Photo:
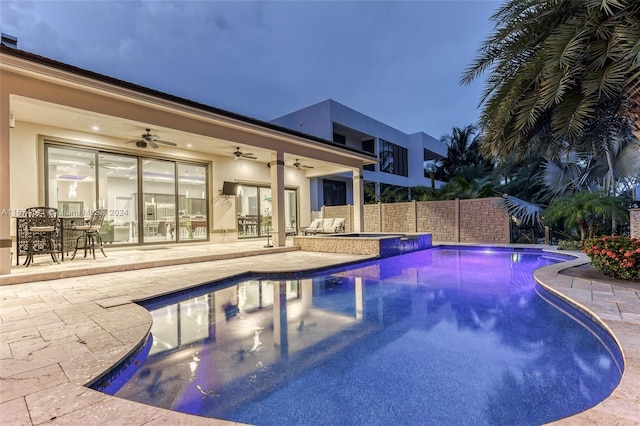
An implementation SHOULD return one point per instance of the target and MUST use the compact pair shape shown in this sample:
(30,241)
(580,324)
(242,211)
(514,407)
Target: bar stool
(90,234)
(42,225)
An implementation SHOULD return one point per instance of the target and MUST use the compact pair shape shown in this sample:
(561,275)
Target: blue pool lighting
(445,336)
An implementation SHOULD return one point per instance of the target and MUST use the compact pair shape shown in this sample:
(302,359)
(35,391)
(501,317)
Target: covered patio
(81,141)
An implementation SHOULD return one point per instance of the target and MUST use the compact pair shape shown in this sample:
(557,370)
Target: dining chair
(90,234)
(42,226)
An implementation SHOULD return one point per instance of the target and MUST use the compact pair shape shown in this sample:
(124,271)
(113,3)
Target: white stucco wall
(318,120)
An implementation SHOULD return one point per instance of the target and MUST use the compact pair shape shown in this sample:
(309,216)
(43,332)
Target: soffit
(60,116)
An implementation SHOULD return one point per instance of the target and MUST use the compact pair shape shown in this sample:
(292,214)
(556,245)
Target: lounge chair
(325,226)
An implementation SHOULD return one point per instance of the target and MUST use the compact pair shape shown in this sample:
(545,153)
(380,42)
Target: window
(334,192)
(338,138)
(393,159)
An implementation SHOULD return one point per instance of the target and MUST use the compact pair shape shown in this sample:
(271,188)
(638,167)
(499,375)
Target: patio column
(358,200)
(277,199)
(5,193)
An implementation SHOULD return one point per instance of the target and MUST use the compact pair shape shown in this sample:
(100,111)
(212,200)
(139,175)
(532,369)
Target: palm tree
(556,67)
(615,170)
(463,156)
(459,187)
(583,210)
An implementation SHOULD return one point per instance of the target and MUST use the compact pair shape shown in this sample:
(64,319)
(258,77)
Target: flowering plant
(618,257)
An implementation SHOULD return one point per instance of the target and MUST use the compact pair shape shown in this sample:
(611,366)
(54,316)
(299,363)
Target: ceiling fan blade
(298,165)
(152,143)
(135,141)
(250,156)
(165,142)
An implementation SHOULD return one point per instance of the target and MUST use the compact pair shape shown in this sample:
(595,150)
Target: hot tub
(375,244)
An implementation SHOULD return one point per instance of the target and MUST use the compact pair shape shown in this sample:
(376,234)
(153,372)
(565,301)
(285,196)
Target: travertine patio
(69,326)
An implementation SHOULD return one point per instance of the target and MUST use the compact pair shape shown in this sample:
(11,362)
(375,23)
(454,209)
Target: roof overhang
(50,93)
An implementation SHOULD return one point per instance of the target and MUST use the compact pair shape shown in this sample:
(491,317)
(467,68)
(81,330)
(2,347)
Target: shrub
(570,245)
(618,257)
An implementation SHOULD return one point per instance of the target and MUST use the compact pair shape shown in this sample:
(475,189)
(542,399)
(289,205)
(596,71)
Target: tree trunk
(612,187)
(583,230)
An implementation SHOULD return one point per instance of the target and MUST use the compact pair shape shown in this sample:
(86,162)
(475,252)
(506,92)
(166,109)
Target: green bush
(618,257)
(570,245)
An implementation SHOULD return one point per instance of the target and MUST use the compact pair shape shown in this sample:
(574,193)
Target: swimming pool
(440,336)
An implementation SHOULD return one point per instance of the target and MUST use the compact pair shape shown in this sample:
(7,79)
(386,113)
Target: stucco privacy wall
(481,220)
(634,215)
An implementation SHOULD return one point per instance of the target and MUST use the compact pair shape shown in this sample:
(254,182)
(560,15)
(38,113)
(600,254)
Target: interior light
(95,128)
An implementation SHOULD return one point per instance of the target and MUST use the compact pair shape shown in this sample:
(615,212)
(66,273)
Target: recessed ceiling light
(95,128)
(189,145)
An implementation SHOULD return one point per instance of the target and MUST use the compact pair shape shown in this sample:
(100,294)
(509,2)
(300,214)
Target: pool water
(440,336)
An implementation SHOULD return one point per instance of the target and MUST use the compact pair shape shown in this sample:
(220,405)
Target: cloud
(398,62)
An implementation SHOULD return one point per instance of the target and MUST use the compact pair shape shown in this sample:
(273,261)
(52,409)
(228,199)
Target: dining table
(65,236)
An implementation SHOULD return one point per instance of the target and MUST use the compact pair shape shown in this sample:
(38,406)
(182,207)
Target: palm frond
(524,211)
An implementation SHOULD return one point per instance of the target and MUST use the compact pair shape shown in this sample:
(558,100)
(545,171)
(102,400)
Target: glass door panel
(159,201)
(71,186)
(255,210)
(247,210)
(118,189)
(266,210)
(193,222)
(291,210)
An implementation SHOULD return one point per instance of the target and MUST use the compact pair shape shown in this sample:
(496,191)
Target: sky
(397,62)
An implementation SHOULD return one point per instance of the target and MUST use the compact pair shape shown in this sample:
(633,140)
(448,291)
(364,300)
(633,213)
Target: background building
(402,157)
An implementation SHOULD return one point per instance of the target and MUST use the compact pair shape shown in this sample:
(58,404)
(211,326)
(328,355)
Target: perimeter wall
(481,220)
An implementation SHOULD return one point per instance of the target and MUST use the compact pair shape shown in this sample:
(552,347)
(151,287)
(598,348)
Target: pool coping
(37,390)
(612,306)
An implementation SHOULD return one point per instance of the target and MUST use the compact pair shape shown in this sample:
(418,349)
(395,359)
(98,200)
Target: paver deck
(63,325)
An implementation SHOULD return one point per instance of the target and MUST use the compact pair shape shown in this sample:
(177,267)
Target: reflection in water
(432,337)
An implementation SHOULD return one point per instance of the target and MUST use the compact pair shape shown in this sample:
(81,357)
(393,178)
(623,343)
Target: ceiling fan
(239,154)
(298,165)
(102,164)
(148,138)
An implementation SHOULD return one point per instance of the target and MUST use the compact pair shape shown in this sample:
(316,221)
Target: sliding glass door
(254,210)
(147,200)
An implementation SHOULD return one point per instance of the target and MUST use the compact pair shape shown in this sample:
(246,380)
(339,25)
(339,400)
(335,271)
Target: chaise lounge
(325,226)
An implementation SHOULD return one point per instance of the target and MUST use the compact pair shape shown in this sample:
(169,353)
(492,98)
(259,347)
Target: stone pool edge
(597,299)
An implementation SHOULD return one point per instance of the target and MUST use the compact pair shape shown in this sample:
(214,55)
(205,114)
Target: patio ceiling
(112,131)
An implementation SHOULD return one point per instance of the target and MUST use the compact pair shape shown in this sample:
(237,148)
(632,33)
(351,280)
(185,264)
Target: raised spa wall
(382,245)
